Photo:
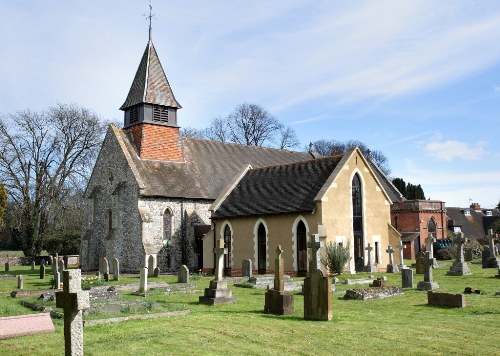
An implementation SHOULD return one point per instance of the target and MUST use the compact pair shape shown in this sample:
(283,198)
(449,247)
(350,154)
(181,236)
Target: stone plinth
(277,302)
(426,285)
(317,297)
(446,299)
(217,293)
(459,269)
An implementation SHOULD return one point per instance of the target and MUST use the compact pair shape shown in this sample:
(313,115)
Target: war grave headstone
(407,278)
(51,260)
(401,248)
(277,301)
(247,268)
(116,269)
(370,266)
(183,275)
(429,246)
(391,267)
(103,266)
(420,263)
(42,271)
(61,266)
(73,300)
(55,272)
(459,267)
(317,287)
(492,261)
(218,293)
(428,282)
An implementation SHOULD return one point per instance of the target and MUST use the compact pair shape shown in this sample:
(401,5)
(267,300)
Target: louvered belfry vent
(160,114)
(134,115)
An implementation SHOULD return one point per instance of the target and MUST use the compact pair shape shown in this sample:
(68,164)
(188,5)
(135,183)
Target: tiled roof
(471,226)
(278,189)
(150,83)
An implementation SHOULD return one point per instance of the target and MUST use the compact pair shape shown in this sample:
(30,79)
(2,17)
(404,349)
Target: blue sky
(418,80)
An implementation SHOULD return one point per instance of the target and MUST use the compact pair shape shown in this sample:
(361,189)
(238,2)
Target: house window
(377,257)
(160,113)
(489,213)
(467,212)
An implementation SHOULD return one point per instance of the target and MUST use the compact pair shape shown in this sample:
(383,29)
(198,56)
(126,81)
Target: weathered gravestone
(420,269)
(143,282)
(42,271)
(33,264)
(468,255)
(116,269)
(407,278)
(57,280)
(20,282)
(391,267)
(7,266)
(51,260)
(485,255)
(55,272)
(61,266)
(459,267)
(218,293)
(428,282)
(151,265)
(446,299)
(183,276)
(277,301)
(65,260)
(156,272)
(370,266)
(317,287)
(103,266)
(73,300)
(492,261)
(400,248)
(247,268)
(429,246)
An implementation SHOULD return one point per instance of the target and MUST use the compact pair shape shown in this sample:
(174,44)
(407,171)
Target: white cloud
(452,149)
(496,89)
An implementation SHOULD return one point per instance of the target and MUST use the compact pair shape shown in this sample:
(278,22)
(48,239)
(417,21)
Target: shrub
(475,246)
(63,242)
(444,254)
(336,257)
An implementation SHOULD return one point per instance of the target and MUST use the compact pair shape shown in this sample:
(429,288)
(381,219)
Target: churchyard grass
(398,325)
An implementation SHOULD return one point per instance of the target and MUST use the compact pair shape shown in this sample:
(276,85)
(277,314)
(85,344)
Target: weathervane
(150,16)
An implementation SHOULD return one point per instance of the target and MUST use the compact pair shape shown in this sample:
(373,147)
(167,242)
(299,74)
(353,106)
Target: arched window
(357,222)
(301,249)
(227,244)
(110,220)
(431,226)
(167,227)
(261,249)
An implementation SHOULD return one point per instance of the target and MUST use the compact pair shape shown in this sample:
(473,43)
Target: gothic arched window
(167,227)
(357,222)
(227,244)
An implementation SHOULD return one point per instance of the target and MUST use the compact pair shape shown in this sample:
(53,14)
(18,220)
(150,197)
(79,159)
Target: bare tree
(191,132)
(286,138)
(218,130)
(42,157)
(3,203)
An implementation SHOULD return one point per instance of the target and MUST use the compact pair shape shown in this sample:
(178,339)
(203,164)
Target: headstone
(370,266)
(493,261)
(143,282)
(183,276)
(218,293)
(468,255)
(277,301)
(42,272)
(73,300)
(156,272)
(116,269)
(428,282)
(317,287)
(65,260)
(429,246)
(106,277)
(446,299)
(7,266)
(485,255)
(407,278)
(247,268)
(51,260)
(20,282)
(378,283)
(400,248)
(391,267)
(420,263)
(459,267)
(61,266)
(57,280)
(103,266)
(33,265)
(151,265)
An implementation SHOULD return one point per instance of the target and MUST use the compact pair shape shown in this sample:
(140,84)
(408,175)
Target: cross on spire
(150,16)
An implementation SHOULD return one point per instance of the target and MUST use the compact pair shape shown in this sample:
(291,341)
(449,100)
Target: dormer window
(466,212)
(160,113)
(489,213)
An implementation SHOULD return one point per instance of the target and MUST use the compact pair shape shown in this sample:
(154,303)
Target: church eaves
(150,85)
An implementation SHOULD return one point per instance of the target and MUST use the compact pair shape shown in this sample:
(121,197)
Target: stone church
(149,197)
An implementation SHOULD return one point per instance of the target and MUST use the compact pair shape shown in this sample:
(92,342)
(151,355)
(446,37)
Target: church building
(149,197)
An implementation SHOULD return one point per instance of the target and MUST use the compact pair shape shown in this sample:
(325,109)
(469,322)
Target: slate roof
(278,189)
(150,84)
(471,226)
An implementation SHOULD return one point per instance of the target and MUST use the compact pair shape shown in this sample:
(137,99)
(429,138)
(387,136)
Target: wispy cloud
(448,150)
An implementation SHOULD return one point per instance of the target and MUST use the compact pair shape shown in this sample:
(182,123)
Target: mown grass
(398,325)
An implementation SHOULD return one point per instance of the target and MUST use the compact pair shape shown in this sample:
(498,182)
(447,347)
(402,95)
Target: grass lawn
(399,325)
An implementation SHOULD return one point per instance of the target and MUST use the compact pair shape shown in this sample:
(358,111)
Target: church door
(357,223)
(301,249)
(227,256)
(199,232)
(261,249)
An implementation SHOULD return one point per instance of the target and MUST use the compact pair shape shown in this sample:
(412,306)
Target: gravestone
(468,255)
(65,260)
(103,266)
(73,300)
(106,277)
(391,267)
(33,264)
(485,255)
(218,293)
(7,266)
(317,287)
(400,248)
(20,325)
(428,282)
(429,246)
(446,299)
(492,261)
(156,272)
(407,278)
(143,282)
(116,269)
(42,271)
(20,282)
(151,266)
(183,276)
(51,260)
(61,266)
(459,267)
(420,269)
(370,266)
(57,280)
(277,301)
(247,268)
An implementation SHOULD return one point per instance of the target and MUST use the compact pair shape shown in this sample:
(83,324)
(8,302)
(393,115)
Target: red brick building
(415,219)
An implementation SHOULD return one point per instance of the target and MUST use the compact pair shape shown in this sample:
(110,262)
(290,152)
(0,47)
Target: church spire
(151,15)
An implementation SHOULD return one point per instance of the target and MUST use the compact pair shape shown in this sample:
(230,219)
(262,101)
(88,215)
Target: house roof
(278,189)
(471,226)
(150,84)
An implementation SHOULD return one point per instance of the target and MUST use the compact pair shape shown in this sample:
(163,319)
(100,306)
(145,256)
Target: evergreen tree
(408,190)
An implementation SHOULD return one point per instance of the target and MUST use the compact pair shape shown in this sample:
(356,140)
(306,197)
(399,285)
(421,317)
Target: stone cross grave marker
(279,271)
(428,282)
(116,269)
(277,301)
(143,282)
(400,248)
(219,251)
(459,267)
(370,267)
(42,271)
(391,267)
(429,244)
(492,261)
(247,268)
(73,300)
(314,244)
